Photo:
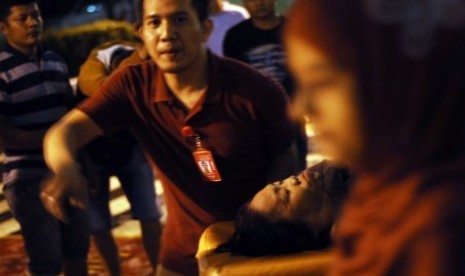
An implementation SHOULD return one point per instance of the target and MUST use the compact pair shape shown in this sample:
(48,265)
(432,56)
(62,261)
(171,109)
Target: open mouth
(170,53)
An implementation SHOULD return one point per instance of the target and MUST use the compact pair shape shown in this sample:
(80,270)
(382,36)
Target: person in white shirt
(224,16)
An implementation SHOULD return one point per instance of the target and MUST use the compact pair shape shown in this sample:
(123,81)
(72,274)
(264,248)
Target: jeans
(137,181)
(47,241)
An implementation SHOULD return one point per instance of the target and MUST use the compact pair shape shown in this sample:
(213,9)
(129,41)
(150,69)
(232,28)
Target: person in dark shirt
(184,106)
(34,93)
(257,42)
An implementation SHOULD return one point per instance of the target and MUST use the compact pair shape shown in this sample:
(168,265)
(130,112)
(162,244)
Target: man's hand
(58,189)
(61,145)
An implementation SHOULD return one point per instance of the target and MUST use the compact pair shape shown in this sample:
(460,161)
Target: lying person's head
(290,216)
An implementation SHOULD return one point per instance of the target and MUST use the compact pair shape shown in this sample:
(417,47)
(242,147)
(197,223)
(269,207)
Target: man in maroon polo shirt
(186,102)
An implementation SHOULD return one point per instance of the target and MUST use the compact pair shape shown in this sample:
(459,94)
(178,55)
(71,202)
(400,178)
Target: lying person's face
(326,96)
(294,199)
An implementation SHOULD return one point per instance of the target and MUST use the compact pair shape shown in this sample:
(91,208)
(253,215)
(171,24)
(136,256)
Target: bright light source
(94,8)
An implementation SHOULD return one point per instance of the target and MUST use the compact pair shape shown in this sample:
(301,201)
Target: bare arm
(61,145)
(284,165)
(17,139)
(65,138)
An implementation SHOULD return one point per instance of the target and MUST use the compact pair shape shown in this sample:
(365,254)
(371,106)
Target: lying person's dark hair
(256,235)
(290,216)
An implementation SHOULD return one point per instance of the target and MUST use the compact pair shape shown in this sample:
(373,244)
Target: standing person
(224,16)
(184,107)
(257,41)
(34,87)
(385,90)
(118,154)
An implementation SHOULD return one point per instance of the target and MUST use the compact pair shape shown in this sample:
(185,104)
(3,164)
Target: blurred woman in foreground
(384,84)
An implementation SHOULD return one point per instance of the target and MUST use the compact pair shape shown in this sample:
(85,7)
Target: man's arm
(17,139)
(61,145)
(284,165)
(92,75)
(96,70)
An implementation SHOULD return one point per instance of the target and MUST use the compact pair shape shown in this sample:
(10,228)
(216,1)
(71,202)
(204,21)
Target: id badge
(206,164)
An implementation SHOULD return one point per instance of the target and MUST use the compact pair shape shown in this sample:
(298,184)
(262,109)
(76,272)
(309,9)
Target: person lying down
(292,215)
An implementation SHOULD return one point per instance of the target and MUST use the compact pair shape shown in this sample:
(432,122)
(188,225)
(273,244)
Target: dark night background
(59,13)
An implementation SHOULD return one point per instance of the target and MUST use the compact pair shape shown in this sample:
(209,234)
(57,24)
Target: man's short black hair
(201,7)
(5,6)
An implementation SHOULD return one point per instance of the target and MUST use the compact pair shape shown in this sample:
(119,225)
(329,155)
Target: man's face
(260,9)
(23,27)
(173,34)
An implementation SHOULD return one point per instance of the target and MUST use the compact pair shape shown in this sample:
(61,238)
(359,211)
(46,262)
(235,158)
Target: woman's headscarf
(409,61)
(405,215)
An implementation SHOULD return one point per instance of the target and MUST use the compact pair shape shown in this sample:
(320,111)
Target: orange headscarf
(408,58)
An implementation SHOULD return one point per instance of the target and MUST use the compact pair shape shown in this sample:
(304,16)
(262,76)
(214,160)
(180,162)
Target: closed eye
(283,195)
(288,197)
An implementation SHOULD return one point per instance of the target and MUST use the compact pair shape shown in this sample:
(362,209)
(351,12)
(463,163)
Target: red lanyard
(202,157)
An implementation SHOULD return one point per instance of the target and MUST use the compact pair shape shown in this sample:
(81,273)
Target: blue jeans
(137,181)
(47,241)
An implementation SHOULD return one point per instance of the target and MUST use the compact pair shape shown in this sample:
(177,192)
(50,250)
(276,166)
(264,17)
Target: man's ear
(136,28)
(207,27)
(3,27)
